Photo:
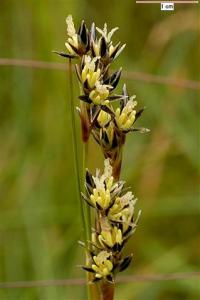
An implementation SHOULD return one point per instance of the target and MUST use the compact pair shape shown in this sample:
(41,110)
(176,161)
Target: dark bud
(89,179)
(125,263)
(139,113)
(83,34)
(96,279)
(74,48)
(108,110)
(85,98)
(103,47)
(105,137)
(98,206)
(63,54)
(110,278)
(115,141)
(88,269)
(86,85)
(115,51)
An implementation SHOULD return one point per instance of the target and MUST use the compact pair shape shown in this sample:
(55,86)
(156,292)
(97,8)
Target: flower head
(111,237)
(103,118)
(90,71)
(100,94)
(122,210)
(101,194)
(102,265)
(104,32)
(125,118)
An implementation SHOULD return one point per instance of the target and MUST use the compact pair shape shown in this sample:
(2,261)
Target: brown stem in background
(85,124)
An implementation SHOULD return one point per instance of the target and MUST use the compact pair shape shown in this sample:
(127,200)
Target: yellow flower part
(103,184)
(109,132)
(73,39)
(104,32)
(89,73)
(126,117)
(100,94)
(103,118)
(113,48)
(111,237)
(103,266)
(123,210)
(96,46)
(101,197)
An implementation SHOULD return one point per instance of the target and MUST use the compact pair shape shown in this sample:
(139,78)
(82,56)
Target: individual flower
(100,191)
(99,95)
(78,43)
(122,211)
(103,46)
(111,237)
(104,32)
(102,264)
(72,41)
(103,118)
(90,71)
(125,118)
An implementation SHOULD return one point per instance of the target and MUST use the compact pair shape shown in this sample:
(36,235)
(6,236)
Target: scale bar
(176,1)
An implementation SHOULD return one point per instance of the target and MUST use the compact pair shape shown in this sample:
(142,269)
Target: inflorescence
(114,222)
(113,204)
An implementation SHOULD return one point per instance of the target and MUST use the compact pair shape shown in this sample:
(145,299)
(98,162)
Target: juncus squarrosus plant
(103,194)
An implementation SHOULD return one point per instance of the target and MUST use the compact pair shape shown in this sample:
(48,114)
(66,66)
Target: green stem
(75,148)
(87,208)
(93,289)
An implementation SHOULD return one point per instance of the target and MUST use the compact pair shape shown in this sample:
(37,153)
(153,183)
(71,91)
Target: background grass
(39,213)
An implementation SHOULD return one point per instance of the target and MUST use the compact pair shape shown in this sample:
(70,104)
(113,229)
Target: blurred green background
(39,213)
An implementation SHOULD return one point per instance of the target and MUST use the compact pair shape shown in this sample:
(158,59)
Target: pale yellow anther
(126,117)
(111,237)
(103,118)
(103,266)
(99,95)
(122,118)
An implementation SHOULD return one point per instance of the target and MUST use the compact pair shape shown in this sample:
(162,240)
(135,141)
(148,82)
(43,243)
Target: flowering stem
(87,208)
(74,140)
(93,289)
(107,291)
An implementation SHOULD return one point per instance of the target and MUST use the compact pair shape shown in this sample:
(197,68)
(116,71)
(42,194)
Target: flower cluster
(114,208)
(107,116)
(95,51)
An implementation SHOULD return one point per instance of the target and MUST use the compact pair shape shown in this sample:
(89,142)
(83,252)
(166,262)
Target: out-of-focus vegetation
(39,213)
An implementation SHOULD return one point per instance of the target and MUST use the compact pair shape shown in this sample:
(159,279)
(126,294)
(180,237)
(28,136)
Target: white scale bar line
(154,2)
